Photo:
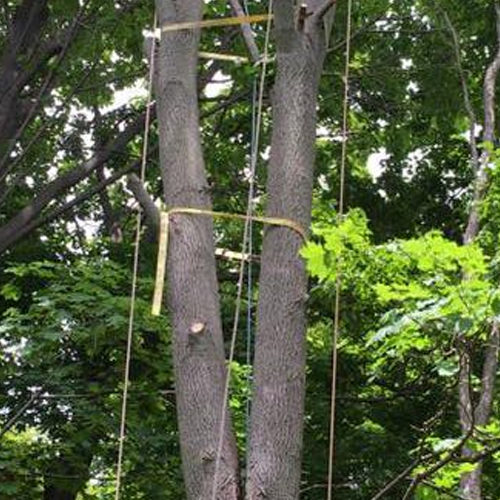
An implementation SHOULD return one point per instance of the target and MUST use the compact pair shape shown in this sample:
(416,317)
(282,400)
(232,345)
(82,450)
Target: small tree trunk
(193,300)
(279,377)
(471,482)
(67,476)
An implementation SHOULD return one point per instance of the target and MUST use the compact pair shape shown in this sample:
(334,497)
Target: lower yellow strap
(223,57)
(163,240)
(161,263)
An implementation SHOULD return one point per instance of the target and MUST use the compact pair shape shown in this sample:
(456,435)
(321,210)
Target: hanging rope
(249,330)
(135,272)
(246,234)
(338,281)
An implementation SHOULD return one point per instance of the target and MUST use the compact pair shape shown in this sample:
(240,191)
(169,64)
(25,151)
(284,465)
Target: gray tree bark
(279,367)
(193,300)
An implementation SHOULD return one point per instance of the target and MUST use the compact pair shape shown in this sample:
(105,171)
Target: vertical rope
(246,234)
(249,332)
(338,281)
(135,272)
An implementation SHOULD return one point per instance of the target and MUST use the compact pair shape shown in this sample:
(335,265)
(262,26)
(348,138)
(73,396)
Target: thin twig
(449,457)
(400,477)
(465,91)
(15,418)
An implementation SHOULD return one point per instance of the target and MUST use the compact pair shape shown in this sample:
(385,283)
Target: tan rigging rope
(135,272)
(338,281)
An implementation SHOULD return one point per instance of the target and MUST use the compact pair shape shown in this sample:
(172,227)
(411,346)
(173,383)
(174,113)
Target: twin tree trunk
(274,466)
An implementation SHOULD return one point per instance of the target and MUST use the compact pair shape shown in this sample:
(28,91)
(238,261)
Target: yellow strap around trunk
(163,240)
(215,23)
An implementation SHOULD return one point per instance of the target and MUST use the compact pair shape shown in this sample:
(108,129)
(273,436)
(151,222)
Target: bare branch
(464,397)
(483,409)
(18,415)
(323,9)
(444,491)
(78,200)
(246,31)
(146,202)
(452,454)
(11,231)
(400,477)
(465,91)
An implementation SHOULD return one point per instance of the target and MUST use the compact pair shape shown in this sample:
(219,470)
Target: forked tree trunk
(277,417)
(279,366)
(193,299)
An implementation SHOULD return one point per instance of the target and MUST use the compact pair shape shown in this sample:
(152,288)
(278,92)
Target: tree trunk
(471,482)
(479,415)
(279,366)
(67,476)
(193,299)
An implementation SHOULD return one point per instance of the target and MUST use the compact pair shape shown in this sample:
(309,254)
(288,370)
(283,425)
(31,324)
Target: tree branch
(4,167)
(482,411)
(444,491)
(18,415)
(14,229)
(246,31)
(323,9)
(400,477)
(464,397)
(450,456)
(146,202)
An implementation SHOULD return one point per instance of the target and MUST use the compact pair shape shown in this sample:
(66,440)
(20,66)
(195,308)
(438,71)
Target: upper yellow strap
(215,23)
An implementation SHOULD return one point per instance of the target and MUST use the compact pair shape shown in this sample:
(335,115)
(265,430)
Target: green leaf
(447,368)
(11,291)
